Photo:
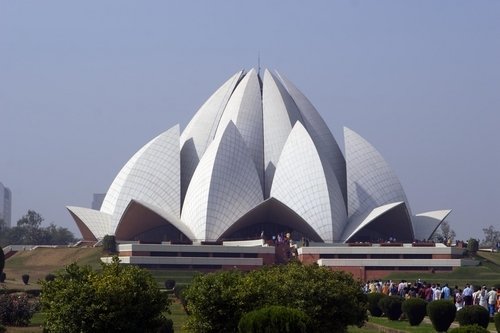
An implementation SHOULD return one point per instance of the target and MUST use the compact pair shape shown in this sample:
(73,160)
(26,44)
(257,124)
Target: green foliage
(179,294)
(169,284)
(474,314)
(497,321)
(16,309)
(472,245)
(373,299)
(29,231)
(491,237)
(117,298)
(25,278)
(442,314)
(212,302)
(50,277)
(109,244)
(415,310)
(333,300)
(276,319)
(469,329)
(2,329)
(445,235)
(391,306)
(167,326)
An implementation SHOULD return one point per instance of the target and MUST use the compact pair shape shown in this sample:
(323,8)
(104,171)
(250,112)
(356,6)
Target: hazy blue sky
(83,85)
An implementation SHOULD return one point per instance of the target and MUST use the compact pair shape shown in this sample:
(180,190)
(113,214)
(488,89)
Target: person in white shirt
(492,300)
(483,297)
(437,293)
(459,302)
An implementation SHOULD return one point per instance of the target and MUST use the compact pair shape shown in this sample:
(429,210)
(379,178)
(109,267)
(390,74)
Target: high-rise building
(97,200)
(5,204)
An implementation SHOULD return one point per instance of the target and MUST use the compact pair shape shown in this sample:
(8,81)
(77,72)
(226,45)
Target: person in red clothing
(428,293)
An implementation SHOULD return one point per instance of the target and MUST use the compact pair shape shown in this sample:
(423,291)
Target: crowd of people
(469,295)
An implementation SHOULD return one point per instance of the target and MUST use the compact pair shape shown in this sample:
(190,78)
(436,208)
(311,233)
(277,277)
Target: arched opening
(271,217)
(139,223)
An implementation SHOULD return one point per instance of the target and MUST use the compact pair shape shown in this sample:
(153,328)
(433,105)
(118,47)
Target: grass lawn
(487,273)
(42,261)
(178,316)
(402,325)
(494,257)
(181,277)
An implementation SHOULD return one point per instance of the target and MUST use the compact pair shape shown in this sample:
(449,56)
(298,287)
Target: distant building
(97,200)
(5,204)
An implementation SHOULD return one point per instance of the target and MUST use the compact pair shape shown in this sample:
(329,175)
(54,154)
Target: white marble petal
(224,187)
(98,223)
(201,130)
(370,181)
(425,224)
(244,109)
(327,147)
(303,184)
(279,115)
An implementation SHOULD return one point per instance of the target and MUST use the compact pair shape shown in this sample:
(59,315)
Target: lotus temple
(255,162)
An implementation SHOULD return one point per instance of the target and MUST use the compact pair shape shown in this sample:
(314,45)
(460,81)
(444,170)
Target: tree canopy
(445,234)
(491,237)
(333,300)
(118,298)
(29,231)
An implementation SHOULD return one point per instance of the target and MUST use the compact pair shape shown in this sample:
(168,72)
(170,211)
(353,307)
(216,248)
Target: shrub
(50,277)
(332,299)
(16,309)
(169,284)
(469,328)
(274,318)
(109,244)
(391,306)
(2,329)
(25,278)
(373,299)
(497,321)
(441,313)
(415,310)
(3,276)
(474,314)
(117,298)
(167,326)
(472,245)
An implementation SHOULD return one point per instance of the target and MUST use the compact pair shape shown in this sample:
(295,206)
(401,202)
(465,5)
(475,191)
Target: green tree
(118,298)
(29,231)
(333,300)
(30,224)
(445,234)
(491,237)
(109,244)
(59,235)
(472,245)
